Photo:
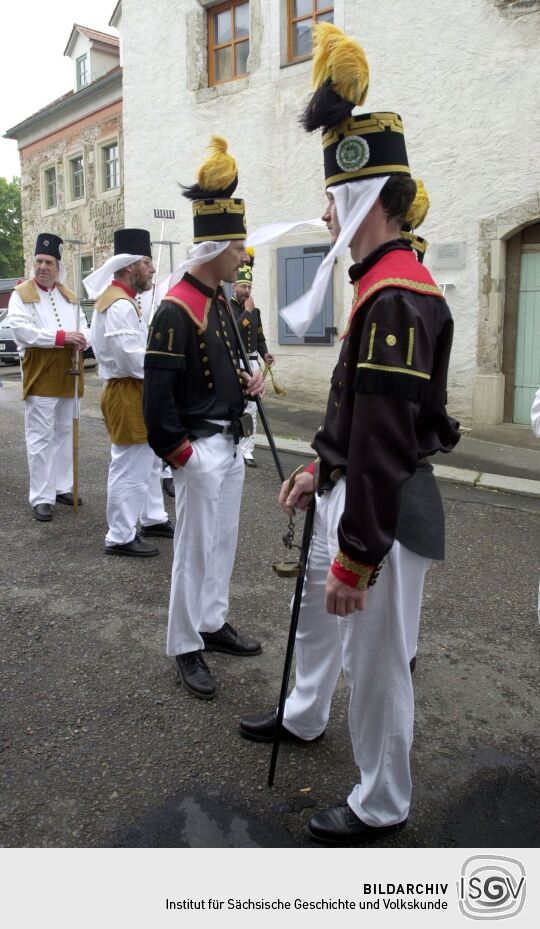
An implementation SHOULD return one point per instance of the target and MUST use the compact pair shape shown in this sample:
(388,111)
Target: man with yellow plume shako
(249,323)
(378,522)
(194,402)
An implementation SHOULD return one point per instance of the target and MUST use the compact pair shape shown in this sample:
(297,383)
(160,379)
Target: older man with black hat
(378,519)
(249,323)
(43,317)
(119,335)
(194,402)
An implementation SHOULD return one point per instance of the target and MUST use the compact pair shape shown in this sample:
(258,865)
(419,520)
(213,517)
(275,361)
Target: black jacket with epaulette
(191,368)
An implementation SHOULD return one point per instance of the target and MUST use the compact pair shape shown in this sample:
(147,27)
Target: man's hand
(249,305)
(76,339)
(342,600)
(254,383)
(269,358)
(299,495)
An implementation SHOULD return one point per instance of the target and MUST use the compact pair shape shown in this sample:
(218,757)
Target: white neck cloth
(199,254)
(353,202)
(96,282)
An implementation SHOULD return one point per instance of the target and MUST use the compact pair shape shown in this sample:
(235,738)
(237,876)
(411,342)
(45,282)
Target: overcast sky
(31,79)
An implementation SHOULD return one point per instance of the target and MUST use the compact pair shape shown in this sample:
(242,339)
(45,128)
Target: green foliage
(11,245)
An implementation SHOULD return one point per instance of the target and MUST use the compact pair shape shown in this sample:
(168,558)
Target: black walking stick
(306,538)
(258,401)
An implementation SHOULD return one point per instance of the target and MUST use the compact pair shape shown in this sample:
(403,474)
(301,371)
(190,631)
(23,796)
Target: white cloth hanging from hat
(198,255)
(96,282)
(353,202)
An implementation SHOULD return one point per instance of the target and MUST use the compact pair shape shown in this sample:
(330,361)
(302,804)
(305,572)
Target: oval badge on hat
(46,242)
(352,153)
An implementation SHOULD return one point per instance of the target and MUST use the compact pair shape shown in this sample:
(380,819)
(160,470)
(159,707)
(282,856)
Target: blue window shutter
(297,267)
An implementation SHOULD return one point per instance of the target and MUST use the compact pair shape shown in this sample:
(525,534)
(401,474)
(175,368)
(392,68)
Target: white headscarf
(96,282)
(353,202)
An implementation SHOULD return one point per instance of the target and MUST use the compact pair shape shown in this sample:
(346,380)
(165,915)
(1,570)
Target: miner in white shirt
(43,318)
(119,335)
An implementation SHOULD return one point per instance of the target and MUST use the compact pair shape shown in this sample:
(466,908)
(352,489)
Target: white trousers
(373,648)
(133,492)
(248,444)
(208,493)
(49,447)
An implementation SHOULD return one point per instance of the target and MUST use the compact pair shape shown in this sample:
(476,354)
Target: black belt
(252,357)
(204,430)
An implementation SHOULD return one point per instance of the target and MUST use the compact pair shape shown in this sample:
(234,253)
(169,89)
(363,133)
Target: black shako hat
(49,244)
(132,242)
(355,147)
(217,216)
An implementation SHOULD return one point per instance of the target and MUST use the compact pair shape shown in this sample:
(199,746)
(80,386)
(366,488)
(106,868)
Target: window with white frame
(76,177)
(110,166)
(50,192)
(82,71)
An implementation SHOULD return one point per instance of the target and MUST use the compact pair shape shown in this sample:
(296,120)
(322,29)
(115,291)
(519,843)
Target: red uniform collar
(47,290)
(398,268)
(131,293)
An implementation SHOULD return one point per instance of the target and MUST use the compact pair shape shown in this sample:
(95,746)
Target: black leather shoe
(250,463)
(168,486)
(340,826)
(195,675)
(43,512)
(262,728)
(134,549)
(158,531)
(229,641)
(412,663)
(67,499)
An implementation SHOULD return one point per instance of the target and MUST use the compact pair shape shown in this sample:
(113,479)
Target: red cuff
(179,456)
(353,573)
(60,338)
(311,467)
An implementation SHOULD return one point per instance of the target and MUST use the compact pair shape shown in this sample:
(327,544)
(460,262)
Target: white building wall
(464,78)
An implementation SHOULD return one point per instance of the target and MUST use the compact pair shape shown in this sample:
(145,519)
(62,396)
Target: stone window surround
(494,232)
(101,144)
(45,210)
(71,203)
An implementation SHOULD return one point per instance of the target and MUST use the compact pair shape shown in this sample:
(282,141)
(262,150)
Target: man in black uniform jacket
(194,401)
(249,323)
(378,521)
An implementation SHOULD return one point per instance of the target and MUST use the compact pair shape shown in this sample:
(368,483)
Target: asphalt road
(100,746)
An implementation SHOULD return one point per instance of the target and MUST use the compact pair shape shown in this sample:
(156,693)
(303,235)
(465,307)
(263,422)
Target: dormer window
(82,71)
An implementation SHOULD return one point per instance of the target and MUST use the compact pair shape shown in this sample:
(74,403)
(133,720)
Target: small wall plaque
(448,255)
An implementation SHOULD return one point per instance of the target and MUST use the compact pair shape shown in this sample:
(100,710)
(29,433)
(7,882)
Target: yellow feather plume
(219,169)
(340,59)
(418,209)
(251,251)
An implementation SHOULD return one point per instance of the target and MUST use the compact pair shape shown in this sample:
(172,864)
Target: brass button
(207,373)
(228,343)
(210,385)
(344,364)
(218,333)
(205,358)
(391,339)
(200,331)
(223,323)
(202,345)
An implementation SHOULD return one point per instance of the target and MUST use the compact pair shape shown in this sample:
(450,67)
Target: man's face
(46,270)
(230,260)
(330,217)
(242,292)
(142,273)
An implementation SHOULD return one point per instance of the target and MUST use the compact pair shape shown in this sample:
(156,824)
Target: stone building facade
(465,77)
(71,158)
